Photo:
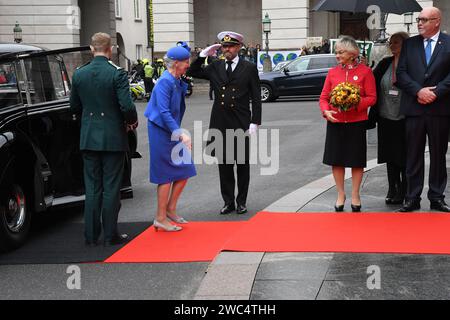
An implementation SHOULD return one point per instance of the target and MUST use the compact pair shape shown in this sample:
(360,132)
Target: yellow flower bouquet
(345,96)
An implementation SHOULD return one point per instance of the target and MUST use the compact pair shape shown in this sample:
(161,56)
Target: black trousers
(227,175)
(437,130)
(228,182)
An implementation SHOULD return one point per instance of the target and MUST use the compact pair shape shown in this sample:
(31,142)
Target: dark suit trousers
(227,175)
(417,129)
(103,173)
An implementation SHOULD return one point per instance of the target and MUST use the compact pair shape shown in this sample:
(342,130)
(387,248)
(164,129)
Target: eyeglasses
(425,20)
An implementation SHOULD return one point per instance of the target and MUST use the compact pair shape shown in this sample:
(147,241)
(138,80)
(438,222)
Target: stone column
(173,22)
(290,23)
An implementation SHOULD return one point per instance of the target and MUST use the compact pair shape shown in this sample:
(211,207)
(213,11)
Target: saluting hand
(329,115)
(210,51)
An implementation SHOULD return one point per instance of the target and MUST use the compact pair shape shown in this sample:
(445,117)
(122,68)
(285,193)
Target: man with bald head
(423,74)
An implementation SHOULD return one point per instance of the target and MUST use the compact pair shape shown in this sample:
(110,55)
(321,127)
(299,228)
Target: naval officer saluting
(235,82)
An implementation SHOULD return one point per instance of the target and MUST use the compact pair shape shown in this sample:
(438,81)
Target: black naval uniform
(101,93)
(231,110)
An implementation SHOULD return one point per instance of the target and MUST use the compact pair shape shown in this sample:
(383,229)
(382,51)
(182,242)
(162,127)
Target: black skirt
(346,145)
(392,142)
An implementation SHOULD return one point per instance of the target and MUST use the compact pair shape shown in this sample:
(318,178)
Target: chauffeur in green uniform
(235,82)
(100,92)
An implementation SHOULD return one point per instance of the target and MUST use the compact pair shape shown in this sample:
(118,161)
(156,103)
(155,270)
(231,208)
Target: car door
(293,82)
(317,73)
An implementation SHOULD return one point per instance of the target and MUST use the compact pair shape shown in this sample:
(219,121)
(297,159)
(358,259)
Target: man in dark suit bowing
(423,74)
(235,82)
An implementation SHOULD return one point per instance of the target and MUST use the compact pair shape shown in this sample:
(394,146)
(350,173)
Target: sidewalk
(293,276)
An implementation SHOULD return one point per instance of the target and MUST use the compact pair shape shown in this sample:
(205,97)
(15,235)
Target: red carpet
(427,233)
(346,232)
(198,241)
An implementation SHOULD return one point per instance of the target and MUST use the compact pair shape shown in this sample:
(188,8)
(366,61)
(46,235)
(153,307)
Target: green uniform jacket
(101,93)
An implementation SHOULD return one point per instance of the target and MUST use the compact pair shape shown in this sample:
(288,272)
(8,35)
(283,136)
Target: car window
(299,65)
(9,90)
(45,78)
(319,63)
(332,62)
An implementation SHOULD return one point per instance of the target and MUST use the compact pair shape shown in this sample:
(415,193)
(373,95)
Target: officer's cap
(230,38)
(178,53)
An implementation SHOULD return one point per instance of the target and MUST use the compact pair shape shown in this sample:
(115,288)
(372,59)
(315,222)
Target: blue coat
(165,112)
(166,107)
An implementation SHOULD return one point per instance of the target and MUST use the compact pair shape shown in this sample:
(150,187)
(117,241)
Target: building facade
(142,27)
(293,21)
(55,24)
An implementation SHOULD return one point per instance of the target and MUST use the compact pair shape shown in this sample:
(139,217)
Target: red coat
(360,75)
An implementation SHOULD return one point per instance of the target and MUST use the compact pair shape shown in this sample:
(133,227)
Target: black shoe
(241,209)
(118,239)
(91,244)
(340,208)
(228,208)
(439,205)
(356,208)
(390,195)
(409,206)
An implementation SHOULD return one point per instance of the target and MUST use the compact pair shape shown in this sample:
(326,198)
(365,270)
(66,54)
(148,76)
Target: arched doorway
(121,51)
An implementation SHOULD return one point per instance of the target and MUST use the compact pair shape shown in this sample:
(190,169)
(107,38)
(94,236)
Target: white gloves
(253,128)
(209,51)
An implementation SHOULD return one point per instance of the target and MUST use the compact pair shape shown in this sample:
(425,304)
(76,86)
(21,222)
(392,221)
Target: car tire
(266,93)
(15,219)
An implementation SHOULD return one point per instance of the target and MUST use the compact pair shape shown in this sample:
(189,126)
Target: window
(137,10)
(322,63)
(9,91)
(139,52)
(118,8)
(299,65)
(46,79)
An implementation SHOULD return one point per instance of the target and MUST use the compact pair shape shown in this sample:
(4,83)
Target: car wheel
(15,219)
(266,93)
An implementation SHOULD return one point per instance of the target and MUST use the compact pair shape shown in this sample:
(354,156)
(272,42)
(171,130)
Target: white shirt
(234,64)
(435,39)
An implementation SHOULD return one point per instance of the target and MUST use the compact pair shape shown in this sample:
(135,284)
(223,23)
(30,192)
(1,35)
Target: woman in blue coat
(171,163)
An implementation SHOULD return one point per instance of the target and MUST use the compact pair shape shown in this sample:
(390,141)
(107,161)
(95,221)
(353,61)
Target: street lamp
(267,64)
(408,20)
(17,33)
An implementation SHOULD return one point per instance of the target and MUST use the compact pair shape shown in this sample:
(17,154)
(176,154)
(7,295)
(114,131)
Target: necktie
(229,68)
(428,50)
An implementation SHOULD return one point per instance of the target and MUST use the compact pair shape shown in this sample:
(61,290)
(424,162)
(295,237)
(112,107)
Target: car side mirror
(286,71)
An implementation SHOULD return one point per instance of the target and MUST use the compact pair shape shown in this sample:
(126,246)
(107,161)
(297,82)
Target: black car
(303,77)
(40,161)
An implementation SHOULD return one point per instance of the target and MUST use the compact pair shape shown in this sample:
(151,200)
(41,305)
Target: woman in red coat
(346,145)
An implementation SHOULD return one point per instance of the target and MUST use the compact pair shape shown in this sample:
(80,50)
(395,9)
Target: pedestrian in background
(345,145)
(101,93)
(391,123)
(165,113)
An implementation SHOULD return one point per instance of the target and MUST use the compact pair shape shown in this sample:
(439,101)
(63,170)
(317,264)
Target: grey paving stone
(286,289)
(353,267)
(392,290)
(226,258)
(294,266)
(228,280)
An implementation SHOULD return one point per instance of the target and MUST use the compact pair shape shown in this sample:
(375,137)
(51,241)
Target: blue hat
(184,45)
(178,53)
